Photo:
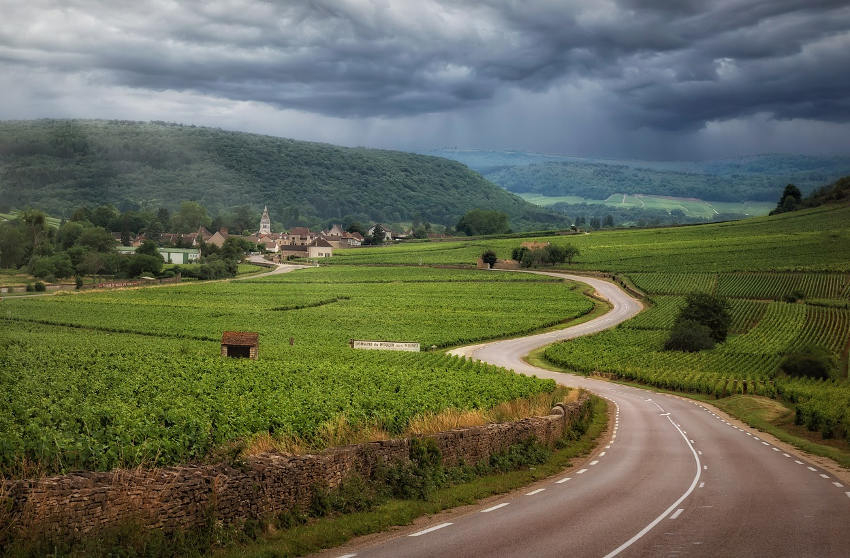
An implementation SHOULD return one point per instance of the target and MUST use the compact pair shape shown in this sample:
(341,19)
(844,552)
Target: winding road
(672,478)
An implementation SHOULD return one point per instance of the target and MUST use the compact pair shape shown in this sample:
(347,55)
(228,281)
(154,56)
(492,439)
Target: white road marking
(563,480)
(775,449)
(798,462)
(348,556)
(699,452)
(533,492)
(594,462)
(430,529)
(705,466)
(664,415)
(756,438)
(812,469)
(701,484)
(608,446)
(673,506)
(847,494)
(824,476)
(582,471)
(677,513)
(765,443)
(494,508)
(838,484)
(786,455)
(601,454)
(693,442)
(748,434)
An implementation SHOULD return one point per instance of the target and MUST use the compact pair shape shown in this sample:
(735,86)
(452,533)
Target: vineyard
(120,378)
(764,328)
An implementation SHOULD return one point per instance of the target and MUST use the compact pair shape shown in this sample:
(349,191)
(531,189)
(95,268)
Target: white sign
(384,345)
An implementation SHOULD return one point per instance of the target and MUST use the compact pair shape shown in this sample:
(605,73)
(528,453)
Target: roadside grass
(334,531)
(762,413)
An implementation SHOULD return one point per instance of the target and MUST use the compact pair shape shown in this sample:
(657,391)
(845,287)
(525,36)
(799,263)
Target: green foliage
(59,165)
(39,287)
(142,381)
(790,200)
(139,264)
(809,361)
(481,221)
(489,257)
(689,336)
(708,310)
(149,248)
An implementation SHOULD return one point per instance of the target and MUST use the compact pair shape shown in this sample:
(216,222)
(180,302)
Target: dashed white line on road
(765,443)
(581,471)
(705,466)
(701,484)
(563,480)
(608,446)
(699,452)
(824,476)
(496,507)
(798,462)
(348,556)
(677,513)
(775,449)
(786,455)
(847,494)
(594,462)
(601,454)
(838,484)
(812,469)
(430,529)
(756,438)
(533,492)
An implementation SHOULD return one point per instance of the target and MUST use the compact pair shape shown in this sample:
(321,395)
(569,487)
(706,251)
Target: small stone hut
(240,344)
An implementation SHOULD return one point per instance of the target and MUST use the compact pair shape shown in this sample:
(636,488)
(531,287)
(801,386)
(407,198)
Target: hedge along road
(673,478)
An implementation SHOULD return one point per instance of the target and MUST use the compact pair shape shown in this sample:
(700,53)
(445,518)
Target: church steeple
(265,222)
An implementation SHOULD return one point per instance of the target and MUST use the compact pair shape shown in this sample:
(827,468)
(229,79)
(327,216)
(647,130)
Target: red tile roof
(240,338)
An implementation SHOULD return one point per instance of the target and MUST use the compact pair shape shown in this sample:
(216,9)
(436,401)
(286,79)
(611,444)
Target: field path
(672,478)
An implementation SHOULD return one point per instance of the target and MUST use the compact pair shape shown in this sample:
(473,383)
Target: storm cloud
(605,75)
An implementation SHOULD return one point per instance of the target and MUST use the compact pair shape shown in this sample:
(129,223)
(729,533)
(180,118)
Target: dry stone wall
(189,496)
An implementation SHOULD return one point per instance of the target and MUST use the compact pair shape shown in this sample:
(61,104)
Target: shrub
(39,286)
(689,336)
(30,288)
(489,257)
(708,310)
(794,296)
(809,362)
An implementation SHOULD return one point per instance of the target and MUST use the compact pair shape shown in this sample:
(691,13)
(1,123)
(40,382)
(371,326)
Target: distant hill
(756,178)
(57,165)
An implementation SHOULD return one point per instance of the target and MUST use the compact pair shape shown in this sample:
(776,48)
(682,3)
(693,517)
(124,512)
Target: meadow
(98,380)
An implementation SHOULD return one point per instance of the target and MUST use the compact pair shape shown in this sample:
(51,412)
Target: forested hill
(57,165)
(754,178)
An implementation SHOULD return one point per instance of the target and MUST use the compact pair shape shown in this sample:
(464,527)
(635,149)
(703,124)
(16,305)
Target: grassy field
(689,206)
(815,239)
(120,378)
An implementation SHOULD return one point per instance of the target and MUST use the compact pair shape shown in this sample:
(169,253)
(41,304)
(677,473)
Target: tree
(708,310)
(489,257)
(483,221)
(12,245)
(138,264)
(96,238)
(149,248)
(689,336)
(809,362)
(609,221)
(570,253)
(379,235)
(790,200)
(190,217)
(594,223)
(356,227)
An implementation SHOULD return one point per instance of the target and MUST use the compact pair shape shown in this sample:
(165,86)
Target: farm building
(240,344)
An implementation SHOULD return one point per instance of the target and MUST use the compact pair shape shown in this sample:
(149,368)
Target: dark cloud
(665,65)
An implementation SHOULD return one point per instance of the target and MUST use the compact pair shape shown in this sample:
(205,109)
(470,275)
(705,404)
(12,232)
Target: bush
(708,310)
(809,362)
(794,296)
(689,336)
(30,288)
(39,286)
(489,257)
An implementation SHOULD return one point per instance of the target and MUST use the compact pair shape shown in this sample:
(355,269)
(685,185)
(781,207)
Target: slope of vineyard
(120,378)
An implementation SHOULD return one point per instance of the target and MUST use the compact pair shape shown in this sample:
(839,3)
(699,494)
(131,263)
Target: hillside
(756,178)
(57,165)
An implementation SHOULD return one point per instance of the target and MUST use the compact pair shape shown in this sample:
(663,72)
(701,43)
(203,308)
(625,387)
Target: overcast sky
(659,79)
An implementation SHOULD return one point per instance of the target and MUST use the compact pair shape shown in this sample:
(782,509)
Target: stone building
(240,344)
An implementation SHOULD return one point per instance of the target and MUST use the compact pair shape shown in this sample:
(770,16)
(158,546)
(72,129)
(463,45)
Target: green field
(104,379)
(815,239)
(689,206)
(756,263)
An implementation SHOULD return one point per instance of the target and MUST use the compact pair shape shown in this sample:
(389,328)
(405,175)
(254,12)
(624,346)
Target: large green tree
(483,221)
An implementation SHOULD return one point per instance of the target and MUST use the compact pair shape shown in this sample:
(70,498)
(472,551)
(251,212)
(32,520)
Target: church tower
(265,222)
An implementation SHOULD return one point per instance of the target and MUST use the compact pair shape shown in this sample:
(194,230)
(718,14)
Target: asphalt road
(673,478)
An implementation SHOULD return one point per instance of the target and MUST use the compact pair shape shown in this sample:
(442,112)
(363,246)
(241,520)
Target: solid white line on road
(601,454)
(430,529)
(677,513)
(838,484)
(673,506)
(533,492)
(582,471)
(812,469)
(563,480)
(494,508)
(824,476)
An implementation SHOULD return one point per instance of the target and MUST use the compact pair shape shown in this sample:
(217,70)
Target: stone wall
(188,496)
